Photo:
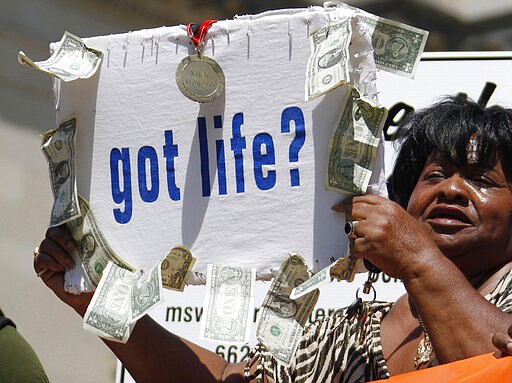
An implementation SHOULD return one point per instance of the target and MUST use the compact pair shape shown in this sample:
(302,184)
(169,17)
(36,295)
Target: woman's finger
(49,270)
(52,249)
(502,342)
(43,261)
(360,207)
(61,236)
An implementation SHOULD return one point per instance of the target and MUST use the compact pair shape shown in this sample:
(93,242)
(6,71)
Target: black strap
(4,321)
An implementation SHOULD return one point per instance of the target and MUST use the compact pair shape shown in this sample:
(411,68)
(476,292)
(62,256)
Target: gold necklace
(424,351)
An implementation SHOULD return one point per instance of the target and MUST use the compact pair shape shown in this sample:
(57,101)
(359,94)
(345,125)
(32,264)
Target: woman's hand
(387,235)
(51,259)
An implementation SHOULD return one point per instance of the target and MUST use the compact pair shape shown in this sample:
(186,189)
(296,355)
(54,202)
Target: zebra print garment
(331,350)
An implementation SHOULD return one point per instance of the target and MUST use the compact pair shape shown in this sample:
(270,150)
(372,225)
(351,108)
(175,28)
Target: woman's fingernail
(509,347)
(69,264)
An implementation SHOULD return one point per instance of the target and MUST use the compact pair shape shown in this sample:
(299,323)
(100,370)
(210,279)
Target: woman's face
(468,212)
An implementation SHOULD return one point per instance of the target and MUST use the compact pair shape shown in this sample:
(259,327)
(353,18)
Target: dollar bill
(327,66)
(176,266)
(282,319)
(71,61)
(320,278)
(353,144)
(92,247)
(146,292)
(344,268)
(120,299)
(397,47)
(228,304)
(58,146)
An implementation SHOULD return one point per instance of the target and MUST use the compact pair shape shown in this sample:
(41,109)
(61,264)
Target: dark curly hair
(446,128)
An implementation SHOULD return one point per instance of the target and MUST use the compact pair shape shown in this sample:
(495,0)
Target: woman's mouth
(448,218)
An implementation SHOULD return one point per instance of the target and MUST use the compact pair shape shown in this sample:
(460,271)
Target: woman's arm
(459,320)
(152,354)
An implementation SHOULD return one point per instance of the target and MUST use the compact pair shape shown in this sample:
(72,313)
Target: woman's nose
(453,189)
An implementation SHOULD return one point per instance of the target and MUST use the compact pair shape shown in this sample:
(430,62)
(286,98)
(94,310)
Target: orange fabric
(487,368)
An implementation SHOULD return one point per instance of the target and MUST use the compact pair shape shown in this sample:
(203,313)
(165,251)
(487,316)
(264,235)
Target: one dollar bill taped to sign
(239,177)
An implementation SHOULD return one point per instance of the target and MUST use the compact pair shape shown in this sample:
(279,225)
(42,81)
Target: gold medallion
(424,351)
(200,78)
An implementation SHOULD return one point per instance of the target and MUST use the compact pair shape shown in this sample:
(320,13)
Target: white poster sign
(237,180)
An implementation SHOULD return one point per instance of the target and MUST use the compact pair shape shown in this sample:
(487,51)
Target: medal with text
(200,78)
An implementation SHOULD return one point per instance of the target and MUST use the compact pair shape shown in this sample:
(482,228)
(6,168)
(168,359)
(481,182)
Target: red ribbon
(200,33)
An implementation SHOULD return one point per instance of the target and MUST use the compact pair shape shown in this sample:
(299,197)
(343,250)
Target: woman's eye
(483,181)
(434,175)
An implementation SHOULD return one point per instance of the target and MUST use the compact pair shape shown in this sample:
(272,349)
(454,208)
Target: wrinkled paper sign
(239,180)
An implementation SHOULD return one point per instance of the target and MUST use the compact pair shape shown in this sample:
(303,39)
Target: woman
(450,242)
